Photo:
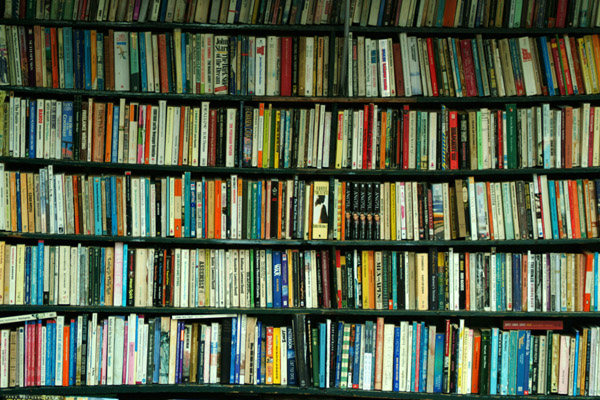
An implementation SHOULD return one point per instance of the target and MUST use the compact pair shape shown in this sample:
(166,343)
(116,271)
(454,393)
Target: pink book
(136,10)
(131,352)
(118,275)
(38,358)
(563,366)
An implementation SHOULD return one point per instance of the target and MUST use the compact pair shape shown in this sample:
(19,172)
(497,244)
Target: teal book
(511,135)
(439,363)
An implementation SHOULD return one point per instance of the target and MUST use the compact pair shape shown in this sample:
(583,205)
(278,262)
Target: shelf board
(190,388)
(328,172)
(445,31)
(188,97)
(292,311)
(186,27)
(420,244)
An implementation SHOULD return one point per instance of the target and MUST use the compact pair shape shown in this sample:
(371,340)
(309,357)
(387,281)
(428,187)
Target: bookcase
(269,198)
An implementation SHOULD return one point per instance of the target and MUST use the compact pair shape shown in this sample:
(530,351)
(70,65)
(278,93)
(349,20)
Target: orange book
(574,203)
(148,126)
(379,354)
(177,202)
(371,255)
(66,350)
(109,128)
(596,43)
(449,13)
(218,207)
(94,59)
(476,353)
(382,145)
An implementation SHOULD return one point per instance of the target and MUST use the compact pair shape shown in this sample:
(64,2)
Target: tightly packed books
(475,13)
(238,208)
(196,11)
(92,350)
(420,358)
(262,135)
(169,62)
(471,67)
(126,275)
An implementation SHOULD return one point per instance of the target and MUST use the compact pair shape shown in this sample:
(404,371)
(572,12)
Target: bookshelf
(568,254)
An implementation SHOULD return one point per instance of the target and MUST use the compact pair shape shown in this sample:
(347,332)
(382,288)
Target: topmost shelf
(298,29)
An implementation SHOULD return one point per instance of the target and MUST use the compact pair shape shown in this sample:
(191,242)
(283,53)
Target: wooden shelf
(426,175)
(478,245)
(344,312)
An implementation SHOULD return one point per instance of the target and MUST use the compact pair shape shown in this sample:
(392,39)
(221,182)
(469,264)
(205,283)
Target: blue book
(338,354)
(424,354)
(97,207)
(28,275)
(234,339)
(114,151)
(68,56)
(259,372)
(102,63)
(143,66)
(276,279)
(513,362)
(72,352)
(78,59)
(396,376)
(546,61)
(284,281)
(357,361)
(520,371)
(322,353)
(527,366)
(125,268)
(18,183)
(40,274)
(67,130)
(439,19)
(413,358)
(156,338)
(516,269)
(553,210)
(32,127)
(35,270)
(87,59)
(576,363)
(203,208)
(238,354)
(188,204)
(505,356)
(193,210)
(183,62)
(48,355)
(394,281)
(163,11)
(380,15)
(438,366)
(478,77)
(456,69)
(494,362)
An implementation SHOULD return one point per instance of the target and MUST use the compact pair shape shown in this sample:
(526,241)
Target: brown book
(460,209)
(398,72)
(194,353)
(37,39)
(98,130)
(109,61)
(12,368)
(302,66)
(379,354)
(567,161)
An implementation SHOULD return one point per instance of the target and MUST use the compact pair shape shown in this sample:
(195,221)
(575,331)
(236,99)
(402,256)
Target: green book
(315,356)
(511,135)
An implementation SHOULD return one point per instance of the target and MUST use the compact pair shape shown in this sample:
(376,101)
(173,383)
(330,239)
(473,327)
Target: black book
(349,211)
(257,277)
(221,136)
(528,211)
(344,282)
(157,207)
(159,278)
(84,337)
(301,281)
(128,201)
(295,234)
(295,259)
(401,281)
(462,293)
(226,332)
(349,288)
(363,211)
(332,353)
(463,159)
(151,349)
(484,364)
(420,204)
(226,211)
(167,277)
(156,281)
(200,362)
(319,279)
(370,226)
(359,287)
(376,211)
(535,357)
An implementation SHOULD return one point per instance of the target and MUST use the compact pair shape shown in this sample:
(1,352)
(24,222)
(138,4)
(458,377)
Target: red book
(434,83)
(66,352)
(338,267)
(286,66)
(557,69)
(398,73)
(561,14)
(162,63)
(565,64)
(574,199)
(212,138)
(54,52)
(468,67)
(365,136)
(532,325)
(109,129)
(476,356)
(588,280)
(370,137)
(405,137)
(148,133)
(449,13)
(177,194)
(453,125)
(218,208)
(578,78)
(325,278)
(500,135)
(418,359)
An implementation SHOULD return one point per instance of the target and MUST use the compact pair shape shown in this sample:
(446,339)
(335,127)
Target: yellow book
(589,52)
(24,214)
(587,80)
(178,65)
(365,279)
(277,138)
(371,286)
(276,356)
(269,357)
(422,282)
(393,218)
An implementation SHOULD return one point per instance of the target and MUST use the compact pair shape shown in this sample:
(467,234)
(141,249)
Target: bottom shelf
(190,389)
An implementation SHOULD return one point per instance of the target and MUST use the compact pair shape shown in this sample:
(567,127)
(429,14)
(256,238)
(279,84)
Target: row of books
(291,278)
(296,12)
(239,208)
(262,136)
(476,14)
(421,358)
(169,62)
(88,350)
(471,67)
